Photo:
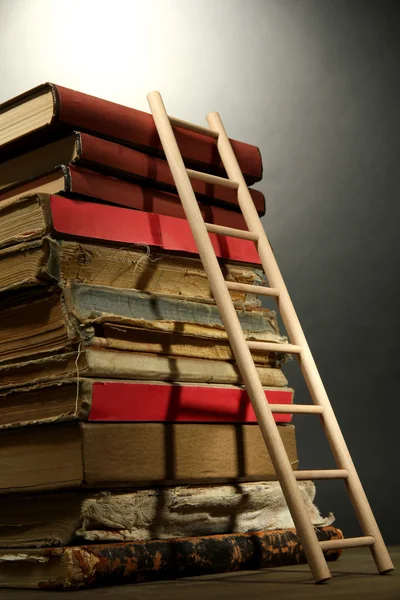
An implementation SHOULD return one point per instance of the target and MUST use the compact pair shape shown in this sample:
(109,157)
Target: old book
(200,343)
(89,152)
(55,321)
(32,217)
(54,519)
(101,455)
(154,560)
(83,183)
(116,364)
(102,400)
(50,111)
(46,262)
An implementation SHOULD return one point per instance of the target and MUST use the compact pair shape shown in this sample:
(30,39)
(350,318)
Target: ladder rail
(309,369)
(276,449)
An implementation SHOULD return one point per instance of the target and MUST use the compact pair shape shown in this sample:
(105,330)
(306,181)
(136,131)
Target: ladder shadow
(169,441)
(246,577)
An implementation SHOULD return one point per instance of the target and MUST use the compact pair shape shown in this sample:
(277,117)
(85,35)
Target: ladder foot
(325,580)
(386,571)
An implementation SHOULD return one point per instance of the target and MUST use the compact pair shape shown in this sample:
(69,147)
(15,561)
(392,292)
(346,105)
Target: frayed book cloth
(190,511)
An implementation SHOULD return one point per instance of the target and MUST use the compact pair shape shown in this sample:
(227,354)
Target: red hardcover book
(172,402)
(105,401)
(51,111)
(87,151)
(122,225)
(88,184)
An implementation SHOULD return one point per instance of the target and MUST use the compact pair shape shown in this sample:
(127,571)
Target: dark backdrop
(331,154)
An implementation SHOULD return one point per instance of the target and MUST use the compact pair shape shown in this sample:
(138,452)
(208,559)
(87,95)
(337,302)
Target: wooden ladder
(242,348)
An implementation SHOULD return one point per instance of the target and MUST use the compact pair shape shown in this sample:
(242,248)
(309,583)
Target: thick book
(50,111)
(46,262)
(78,182)
(101,455)
(95,154)
(114,364)
(66,517)
(195,343)
(52,321)
(97,565)
(32,217)
(107,401)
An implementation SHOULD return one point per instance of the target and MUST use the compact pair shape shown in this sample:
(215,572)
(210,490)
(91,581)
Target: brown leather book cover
(73,110)
(155,560)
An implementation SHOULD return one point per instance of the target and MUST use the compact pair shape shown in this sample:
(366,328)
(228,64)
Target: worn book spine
(177,453)
(59,519)
(47,261)
(63,320)
(156,560)
(95,303)
(124,365)
(77,111)
(126,455)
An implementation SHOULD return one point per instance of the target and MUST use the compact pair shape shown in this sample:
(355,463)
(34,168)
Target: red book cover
(88,184)
(84,182)
(122,401)
(96,153)
(73,110)
(122,225)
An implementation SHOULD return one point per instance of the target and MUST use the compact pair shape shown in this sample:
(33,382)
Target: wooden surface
(353,576)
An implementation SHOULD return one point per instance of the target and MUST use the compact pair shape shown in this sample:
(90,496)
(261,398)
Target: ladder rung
(229,231)
(272,347)
(193,127)
(356,542)
(322,474)
(312,547)
(252,289)
(212,179)
(292,409)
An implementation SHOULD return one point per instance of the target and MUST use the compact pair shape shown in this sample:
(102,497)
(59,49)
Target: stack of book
(125,431)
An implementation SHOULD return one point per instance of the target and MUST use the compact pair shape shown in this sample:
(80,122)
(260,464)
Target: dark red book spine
(125,226)
(136,128)
(96,153)
(84,182)
(174,403)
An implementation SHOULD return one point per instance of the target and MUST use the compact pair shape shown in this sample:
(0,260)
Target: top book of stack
(50,112)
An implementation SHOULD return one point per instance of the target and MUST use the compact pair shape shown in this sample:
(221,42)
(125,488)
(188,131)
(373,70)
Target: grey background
(331,146)
(314,83)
